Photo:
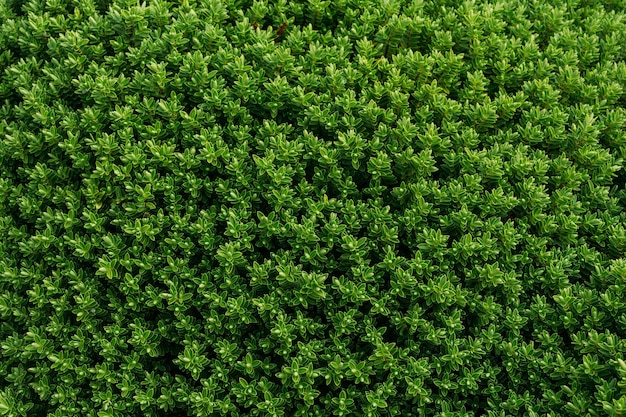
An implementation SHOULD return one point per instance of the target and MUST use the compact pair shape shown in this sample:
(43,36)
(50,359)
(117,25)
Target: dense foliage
(312,208)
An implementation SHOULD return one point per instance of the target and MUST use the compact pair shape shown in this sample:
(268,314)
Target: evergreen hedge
(312,208)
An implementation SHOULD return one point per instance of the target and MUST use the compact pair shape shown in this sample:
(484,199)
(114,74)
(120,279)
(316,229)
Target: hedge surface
(312,208)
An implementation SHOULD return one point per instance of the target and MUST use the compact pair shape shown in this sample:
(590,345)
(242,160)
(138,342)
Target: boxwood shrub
(312,208)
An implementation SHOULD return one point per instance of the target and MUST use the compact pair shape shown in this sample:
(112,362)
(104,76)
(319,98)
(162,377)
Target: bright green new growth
(312,208)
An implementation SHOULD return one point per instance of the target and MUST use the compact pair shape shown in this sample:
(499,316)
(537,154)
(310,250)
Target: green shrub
(312,208)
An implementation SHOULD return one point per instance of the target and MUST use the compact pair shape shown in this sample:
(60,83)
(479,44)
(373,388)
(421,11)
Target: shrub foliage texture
(312,208)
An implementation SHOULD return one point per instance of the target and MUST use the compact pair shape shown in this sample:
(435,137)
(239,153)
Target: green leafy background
(312,208)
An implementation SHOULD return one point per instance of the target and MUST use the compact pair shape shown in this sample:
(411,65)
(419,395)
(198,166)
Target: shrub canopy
(312,208)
